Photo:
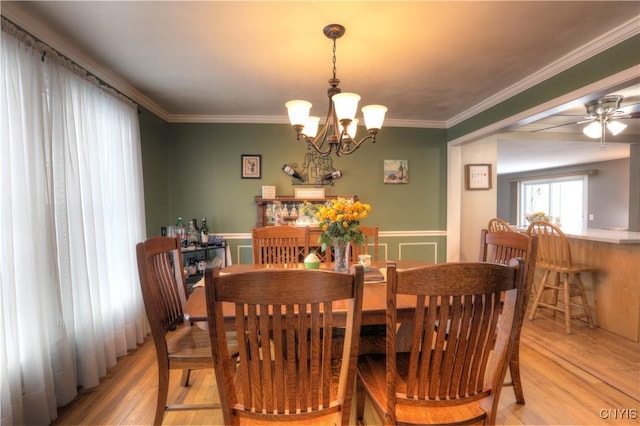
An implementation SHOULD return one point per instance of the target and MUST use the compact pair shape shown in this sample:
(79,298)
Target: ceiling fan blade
(629,111)
(563,124)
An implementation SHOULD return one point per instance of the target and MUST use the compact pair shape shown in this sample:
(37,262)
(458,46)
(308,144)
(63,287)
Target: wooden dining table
(374,304)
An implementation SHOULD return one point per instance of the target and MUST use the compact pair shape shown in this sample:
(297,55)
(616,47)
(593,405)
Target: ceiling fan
(604,114)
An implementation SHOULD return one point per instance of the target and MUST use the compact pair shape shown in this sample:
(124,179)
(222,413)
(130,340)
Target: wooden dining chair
(370,234)
(465,321)
(279,244)
(500,247)
(496,225)
(178,344)
(297,360)
(554,257)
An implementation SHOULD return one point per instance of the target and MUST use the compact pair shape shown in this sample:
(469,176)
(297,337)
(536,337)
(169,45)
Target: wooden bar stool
(554,257)
(496,225)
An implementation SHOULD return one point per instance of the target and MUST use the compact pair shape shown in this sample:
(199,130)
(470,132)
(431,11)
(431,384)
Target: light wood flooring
(590,377)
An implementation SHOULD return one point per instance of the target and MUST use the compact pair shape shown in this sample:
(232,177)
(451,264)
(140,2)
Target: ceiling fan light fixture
(339,130)
(593,130)
(616,127)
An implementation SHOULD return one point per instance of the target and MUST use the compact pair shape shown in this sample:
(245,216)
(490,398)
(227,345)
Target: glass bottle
(334,175)
(180,230)
(204,232)
(193,234)
(291,172)
(277,214)
(269,219)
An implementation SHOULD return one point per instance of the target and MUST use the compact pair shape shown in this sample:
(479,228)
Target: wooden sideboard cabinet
(266,209)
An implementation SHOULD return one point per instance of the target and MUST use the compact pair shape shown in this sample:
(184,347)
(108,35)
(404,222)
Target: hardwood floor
(587,378)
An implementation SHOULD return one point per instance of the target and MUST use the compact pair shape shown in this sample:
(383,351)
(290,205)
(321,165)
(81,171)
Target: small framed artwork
(477,176)
(251,166)
(396,171)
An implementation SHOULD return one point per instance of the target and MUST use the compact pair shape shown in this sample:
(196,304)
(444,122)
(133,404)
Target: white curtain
(72,210)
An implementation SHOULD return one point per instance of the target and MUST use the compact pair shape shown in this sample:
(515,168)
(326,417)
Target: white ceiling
(433,64)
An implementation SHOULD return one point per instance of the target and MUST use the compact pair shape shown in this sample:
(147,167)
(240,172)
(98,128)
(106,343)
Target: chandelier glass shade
(338,133)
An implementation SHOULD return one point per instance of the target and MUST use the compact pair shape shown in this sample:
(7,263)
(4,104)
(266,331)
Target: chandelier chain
(334,58)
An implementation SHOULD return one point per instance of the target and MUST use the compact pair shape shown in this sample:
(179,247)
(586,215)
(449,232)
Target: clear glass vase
(341,255)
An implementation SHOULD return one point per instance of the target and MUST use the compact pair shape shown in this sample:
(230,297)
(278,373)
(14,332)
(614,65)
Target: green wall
(193,170)
(156,160)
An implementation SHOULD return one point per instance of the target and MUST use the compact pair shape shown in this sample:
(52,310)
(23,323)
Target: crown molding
(13,12)
(44,34)
(593,47)
(270,119)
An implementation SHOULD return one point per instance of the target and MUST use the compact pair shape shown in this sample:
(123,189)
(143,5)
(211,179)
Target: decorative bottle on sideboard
(204,232)
(180,230)
(193,234)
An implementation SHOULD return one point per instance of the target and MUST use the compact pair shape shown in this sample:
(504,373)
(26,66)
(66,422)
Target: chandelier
(338,133)
(604,111)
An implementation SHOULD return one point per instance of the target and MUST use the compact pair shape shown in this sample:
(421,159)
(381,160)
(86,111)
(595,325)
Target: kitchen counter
(606,236)
(612,236)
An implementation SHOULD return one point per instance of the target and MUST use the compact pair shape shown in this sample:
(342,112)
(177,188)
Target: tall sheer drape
(72,210)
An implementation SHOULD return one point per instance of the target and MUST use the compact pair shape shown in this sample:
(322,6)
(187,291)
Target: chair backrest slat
(500,247)
(464,326)
(288,353)
(370,234)
(277,245)
(162,282)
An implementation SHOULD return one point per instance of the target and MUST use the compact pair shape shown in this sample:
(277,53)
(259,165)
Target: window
(565,199)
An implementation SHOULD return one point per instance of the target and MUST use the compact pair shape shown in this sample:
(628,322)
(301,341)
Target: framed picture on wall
(477,176)
(251,166)
(396,171)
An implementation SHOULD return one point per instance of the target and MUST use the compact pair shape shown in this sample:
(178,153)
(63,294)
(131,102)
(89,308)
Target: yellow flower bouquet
(339,220)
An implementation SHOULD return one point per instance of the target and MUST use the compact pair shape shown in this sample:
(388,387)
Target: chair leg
(536,301)
(585,302)
(567,302)
(163,392)
(360,400)
(554,292)
(514,371)
(186,374)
